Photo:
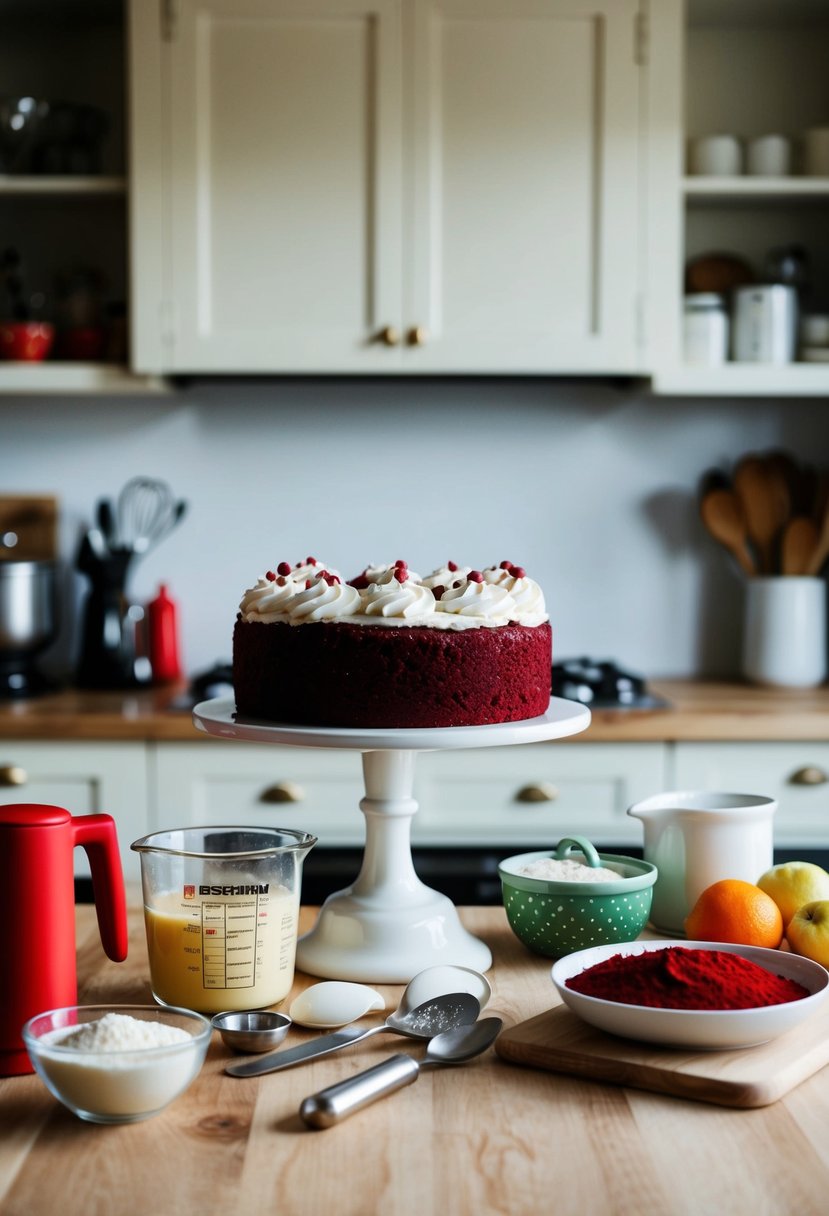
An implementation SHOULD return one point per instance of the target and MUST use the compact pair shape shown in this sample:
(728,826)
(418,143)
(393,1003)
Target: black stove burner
(602,685)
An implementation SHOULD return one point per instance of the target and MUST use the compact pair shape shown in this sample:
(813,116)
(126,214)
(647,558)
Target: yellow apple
(791,884)
(808,931)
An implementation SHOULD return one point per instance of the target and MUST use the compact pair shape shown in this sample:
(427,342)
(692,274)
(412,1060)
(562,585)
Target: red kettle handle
(96,834)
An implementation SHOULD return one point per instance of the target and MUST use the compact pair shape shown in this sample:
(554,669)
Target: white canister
(765,322)
(769,156)
(784,640)
(705,328)
(697,837)
(715,156)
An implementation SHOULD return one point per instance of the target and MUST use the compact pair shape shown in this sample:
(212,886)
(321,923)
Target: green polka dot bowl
(555,916)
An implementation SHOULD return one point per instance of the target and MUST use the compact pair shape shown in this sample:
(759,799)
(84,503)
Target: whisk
(145,513)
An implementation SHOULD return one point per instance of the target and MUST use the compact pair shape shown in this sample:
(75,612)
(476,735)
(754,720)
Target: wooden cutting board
(560,1041)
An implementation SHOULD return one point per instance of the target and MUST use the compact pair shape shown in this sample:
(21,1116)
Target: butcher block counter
(486,1137)
(696,710)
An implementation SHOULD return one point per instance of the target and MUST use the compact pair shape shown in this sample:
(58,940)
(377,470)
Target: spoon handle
(284,1058)
(337,1102)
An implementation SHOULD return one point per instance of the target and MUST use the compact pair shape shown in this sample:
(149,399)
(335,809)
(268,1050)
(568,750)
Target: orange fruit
(735,911)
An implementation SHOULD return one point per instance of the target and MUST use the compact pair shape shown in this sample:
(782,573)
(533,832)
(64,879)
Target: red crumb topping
(270,576)
(283,568)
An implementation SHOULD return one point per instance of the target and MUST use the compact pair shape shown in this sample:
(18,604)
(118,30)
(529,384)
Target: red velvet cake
(389,649)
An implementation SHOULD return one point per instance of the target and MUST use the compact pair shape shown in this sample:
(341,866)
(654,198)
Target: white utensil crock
(695,838)
(784,642)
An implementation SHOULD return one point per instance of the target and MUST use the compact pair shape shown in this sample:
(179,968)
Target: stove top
(601,684)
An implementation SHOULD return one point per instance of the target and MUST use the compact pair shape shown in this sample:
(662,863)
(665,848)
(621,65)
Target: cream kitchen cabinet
(513,796)
(796,774)
(86,779)
(386,186)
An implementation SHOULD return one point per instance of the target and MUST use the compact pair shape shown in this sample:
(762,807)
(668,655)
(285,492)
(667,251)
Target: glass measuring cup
(221,907)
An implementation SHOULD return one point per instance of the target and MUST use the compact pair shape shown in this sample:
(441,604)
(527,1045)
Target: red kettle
(37,912)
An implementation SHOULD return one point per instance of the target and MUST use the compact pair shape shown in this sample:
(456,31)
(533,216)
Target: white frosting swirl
(324,601)
(488,600)
(268,600)
(528,596)
(444,577)
(389,597)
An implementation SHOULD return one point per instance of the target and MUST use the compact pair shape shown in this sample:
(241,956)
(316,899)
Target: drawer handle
(541,791)
(13,774)
(282,791)
(389,336)
(810,774)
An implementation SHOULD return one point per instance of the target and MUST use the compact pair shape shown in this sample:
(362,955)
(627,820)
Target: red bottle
(162,624)
(37,912)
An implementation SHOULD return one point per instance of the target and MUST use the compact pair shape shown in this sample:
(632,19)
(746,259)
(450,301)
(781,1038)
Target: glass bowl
(703,1029)
(120,1085)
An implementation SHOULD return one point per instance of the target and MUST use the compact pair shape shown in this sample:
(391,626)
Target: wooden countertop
(481,1138)
(698,710)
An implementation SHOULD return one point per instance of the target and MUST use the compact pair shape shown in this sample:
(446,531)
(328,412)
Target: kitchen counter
(480,1138)
(698,710)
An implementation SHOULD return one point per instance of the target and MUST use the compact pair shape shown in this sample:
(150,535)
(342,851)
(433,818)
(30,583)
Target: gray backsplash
(591,487)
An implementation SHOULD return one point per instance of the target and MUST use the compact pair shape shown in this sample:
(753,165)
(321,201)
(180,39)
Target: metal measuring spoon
(424,1022)
(337,1102)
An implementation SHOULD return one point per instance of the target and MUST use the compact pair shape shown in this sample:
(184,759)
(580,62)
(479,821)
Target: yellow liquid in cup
(216,952)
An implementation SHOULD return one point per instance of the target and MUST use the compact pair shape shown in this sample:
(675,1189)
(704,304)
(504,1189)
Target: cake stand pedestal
(388,925)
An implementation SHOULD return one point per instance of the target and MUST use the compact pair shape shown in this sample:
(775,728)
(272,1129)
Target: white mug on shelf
(716,156)
(784,642)
(769,156)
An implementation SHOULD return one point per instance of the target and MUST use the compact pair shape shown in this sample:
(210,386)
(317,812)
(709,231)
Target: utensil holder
(784,640)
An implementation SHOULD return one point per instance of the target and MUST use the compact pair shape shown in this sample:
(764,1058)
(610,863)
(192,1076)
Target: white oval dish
(334,1003)
(706,1029)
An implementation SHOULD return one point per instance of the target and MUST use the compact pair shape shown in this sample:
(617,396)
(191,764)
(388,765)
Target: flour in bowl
(119,1032)
(567,870)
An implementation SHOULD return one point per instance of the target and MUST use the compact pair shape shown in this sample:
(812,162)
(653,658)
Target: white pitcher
(695,838)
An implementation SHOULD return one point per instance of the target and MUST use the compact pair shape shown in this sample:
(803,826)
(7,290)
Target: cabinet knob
(12,774)
(418,335)
(541,791)
(810,774)
(389,336)
(282,791)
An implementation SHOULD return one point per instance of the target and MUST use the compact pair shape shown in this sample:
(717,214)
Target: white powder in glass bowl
(567,870)
(118,1032)
(118,1068)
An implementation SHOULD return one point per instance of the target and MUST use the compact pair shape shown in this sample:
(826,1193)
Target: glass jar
(705,330)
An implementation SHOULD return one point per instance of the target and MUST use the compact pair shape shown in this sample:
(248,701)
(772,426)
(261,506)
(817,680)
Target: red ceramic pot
(28,341)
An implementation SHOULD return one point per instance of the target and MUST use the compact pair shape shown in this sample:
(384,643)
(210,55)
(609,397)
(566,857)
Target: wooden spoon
(820,553)
(755,491)
(799,543)
(723,516)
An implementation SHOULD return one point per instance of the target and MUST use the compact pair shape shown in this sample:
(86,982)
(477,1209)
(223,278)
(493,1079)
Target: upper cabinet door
(284,128)
(523,185)
(385,186)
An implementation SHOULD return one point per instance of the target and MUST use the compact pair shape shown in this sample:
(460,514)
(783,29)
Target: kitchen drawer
(534,794)
(86,779)
(796,774)
(310,789)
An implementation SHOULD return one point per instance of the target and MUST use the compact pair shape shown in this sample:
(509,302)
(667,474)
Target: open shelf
(26,186)
(92,378)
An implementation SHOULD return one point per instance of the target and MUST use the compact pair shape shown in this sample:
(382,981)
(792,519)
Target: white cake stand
(388,925)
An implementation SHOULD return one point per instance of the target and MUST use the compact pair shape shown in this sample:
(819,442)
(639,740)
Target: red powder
(681,978)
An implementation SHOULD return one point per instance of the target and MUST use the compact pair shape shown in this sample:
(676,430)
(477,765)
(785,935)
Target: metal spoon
(423,1022)
(329,1106)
